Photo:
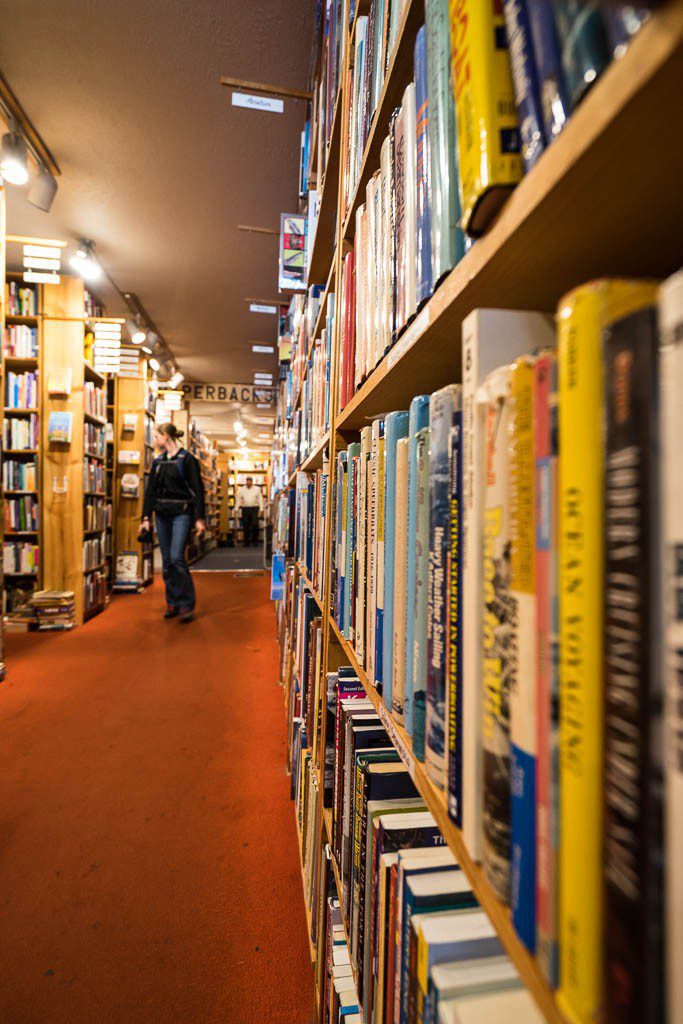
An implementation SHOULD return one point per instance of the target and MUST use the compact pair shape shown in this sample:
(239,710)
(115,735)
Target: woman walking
(175,495)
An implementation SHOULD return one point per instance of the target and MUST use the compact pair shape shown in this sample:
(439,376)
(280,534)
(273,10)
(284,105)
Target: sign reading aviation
(254,393)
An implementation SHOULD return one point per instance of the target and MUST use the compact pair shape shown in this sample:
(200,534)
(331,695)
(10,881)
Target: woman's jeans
(173,532)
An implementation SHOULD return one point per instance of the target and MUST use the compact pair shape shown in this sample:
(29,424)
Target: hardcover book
(418,418)
(395,427)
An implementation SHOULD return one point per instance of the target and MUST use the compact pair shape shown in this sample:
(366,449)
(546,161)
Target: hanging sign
(248,393)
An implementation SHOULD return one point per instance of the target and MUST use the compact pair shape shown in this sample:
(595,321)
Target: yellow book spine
(486,118)
(422,962)
(583,314)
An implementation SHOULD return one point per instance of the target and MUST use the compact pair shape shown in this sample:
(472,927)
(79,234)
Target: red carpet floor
(149,867)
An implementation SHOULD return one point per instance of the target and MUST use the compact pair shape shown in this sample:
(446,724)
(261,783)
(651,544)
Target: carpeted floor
(239,557)
(149,870)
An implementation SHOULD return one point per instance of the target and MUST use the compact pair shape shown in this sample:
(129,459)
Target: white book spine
(671,376)
(400,567)
(386,245)
(360,302)
(370,244)
(410,130)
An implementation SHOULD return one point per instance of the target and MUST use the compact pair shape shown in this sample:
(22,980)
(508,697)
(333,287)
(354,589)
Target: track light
(154,364)
(176,379)
(84,262)
(136,332)
(43,190)
(14,157)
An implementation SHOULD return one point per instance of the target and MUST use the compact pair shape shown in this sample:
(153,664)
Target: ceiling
(158,168)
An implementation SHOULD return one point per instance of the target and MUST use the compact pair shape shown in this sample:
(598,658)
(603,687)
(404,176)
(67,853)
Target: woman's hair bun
(170,430)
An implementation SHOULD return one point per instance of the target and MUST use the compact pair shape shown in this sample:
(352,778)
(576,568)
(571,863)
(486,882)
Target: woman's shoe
(171,613)
(187,615)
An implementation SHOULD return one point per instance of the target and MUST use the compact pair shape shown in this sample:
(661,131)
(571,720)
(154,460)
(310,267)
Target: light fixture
(14,156)
(176,379)
(265,349)
(238,425)
(146,349)
(43,189)
(263,405)
(136,332)
(154,364)
(84,262)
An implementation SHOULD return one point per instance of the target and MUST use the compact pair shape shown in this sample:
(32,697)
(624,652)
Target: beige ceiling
(157,167)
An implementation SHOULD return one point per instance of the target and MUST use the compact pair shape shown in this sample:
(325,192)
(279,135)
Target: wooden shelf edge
(499,913)
(302,572)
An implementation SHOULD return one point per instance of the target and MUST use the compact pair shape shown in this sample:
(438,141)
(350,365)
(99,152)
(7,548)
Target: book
(670,303)
(418,418)
(418,720)
(444,409)
(410,215)
(378,433)
(490,338)
(489,159)
(400,570)
(462,934)
(582,315)
(454,653)
(59,427)
(423,253)
(548,59)
(498,615)
(524,81)
(448,242)
(467,977)
(363,540)
(400,162)
(547,674)
(523,685)
(493,1007)
(632,849)
(395,427)
(583,43)
(428,893)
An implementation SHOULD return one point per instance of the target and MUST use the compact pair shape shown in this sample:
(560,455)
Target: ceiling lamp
(84,262)
(43,189)
(154,365)
(14,157)
(176,379)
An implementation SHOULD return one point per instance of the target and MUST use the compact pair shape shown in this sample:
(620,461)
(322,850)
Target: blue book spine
(548,57)
(418,420)
(353,451)
(310,528)
(424,191)
(524,81)
(395,427)
(583,41)
(443,405)
(455,626)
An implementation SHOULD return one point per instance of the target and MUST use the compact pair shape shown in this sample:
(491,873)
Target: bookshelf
(110,480)
(131,456)
(241,466)
(22,362)
(206,453)
(563,224)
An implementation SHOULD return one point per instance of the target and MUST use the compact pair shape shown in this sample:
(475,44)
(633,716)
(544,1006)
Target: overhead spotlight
(14,156)
(136,332)
(238,425)
(176,379)
(146,349)
(84,262)
(154,364)
(43,189)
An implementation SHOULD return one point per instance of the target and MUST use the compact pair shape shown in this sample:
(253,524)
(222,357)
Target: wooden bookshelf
(132,560)
(580,213)
(71,478)
(20,585)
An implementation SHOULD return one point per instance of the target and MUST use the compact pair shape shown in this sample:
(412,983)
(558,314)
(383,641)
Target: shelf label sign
(242,99)
(247,393)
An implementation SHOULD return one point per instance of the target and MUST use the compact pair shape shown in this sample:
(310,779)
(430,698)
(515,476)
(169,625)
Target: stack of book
(53,610)
(20,299)
(22,390)
(21,433)
(21,341)
(21,514)
(20,558)
(508,594)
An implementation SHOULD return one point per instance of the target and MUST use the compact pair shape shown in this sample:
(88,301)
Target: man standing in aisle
(250,501)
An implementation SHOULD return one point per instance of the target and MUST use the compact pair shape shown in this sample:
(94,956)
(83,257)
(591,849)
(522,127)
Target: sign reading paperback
(249,393)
